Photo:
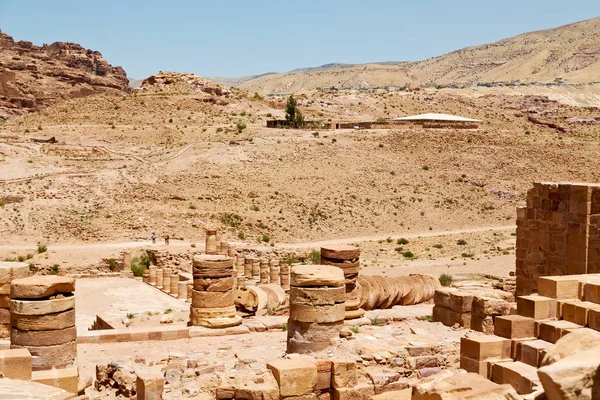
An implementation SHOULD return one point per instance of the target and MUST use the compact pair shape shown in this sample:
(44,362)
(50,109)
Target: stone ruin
(557,233)
(213,293)
(540,342)
(317,308)
(43,335)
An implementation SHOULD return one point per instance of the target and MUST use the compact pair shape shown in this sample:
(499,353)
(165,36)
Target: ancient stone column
(224,248)
(264,270)
(211,240)
(285,276)
(256,269)
(213,294)
(166,287)
(248,267)
(145,276)
(182,290)
(127,261)
(274,271)
(241,282)
(8,272)
(43,320)
(159,278)
(240,265)
(152,271)
(231,251)
(174,284)
(348,259)
(317,297)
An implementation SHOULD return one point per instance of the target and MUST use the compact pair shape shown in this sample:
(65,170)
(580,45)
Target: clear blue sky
(237,38)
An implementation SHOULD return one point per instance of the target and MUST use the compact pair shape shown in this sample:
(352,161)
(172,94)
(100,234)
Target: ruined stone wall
(557,233)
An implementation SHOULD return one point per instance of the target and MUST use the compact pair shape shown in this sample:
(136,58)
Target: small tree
(298,119)
(290,109)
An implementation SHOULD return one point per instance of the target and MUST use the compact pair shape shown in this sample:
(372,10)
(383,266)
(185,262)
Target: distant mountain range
(569,53)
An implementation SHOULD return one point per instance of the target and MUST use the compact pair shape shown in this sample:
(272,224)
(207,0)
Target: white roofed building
(440,121)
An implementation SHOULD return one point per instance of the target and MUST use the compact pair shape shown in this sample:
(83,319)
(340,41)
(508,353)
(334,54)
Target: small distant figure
(167,240)
(153,238)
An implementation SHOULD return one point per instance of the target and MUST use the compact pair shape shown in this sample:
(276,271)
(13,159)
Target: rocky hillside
(570,53)
(32,77)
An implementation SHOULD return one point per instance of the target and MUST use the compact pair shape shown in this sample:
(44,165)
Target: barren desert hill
(570,52)
(33,76)
(171,159)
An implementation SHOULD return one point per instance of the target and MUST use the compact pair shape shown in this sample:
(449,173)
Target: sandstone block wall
(557,233)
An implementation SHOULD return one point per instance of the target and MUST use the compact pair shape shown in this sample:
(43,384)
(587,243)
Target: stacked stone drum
(213,292)
(42,317)
(348,259)
(317,297)
(8,272)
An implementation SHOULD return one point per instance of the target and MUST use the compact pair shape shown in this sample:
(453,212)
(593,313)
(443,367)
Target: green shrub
(315,257)
(42,248)
(54,270)
(408,254)
(402,241)
(112,264)
(241,235)
(145,259)
(445,279)
(461,242)
(138,269)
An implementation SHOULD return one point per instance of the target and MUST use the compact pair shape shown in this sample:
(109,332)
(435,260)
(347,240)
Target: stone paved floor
(116,297)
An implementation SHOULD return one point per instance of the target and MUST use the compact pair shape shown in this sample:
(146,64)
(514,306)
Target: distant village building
(440,121)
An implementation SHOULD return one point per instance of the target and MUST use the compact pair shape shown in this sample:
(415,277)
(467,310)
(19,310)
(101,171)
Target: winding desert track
(299,245)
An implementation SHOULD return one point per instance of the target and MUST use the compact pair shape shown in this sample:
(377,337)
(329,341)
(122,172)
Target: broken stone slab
(572,377)
(62,320)
(214,284)
(48,357)
(576,342)
(321,314)
(248,385)
(317,296)
(36,287)
(316,275)
(203,299)
(295,377)
(17,389)
(459,385)
(43,338)
(42,307)
(340,252)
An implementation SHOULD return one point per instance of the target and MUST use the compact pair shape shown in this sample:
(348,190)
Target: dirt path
(374,238)
(299,245)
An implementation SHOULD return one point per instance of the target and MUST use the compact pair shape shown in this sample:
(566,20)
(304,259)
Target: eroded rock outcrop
(32,77)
